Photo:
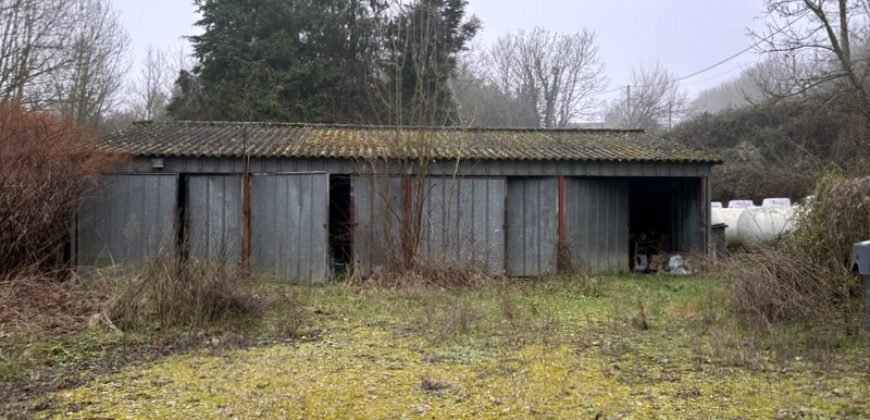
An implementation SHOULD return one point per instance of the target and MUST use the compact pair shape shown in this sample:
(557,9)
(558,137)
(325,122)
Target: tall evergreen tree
(425,38)
(286,60)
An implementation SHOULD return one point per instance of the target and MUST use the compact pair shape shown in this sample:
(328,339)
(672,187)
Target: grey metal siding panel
(127,219)
(289,226)
(464,223)
(596,224)
(706,222)
(214,217)
(532,226)
(686,223)
(378,206)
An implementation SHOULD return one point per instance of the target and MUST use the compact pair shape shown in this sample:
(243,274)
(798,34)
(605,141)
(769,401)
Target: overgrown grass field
(641,346)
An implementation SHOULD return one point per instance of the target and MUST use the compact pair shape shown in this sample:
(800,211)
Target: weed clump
(430,275)
(181,292)
(432,385)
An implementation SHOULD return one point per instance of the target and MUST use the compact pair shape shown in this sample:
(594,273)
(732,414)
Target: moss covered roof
(230,139)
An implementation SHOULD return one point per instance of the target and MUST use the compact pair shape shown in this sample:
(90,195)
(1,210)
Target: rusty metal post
(408,230)
(246,205)
(562,256)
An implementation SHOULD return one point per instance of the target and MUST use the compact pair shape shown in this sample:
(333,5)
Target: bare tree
(152,89)
(88,84)
(33,36)
(422,41)
(820,44)
(481,102)
(652,102)
(559,73)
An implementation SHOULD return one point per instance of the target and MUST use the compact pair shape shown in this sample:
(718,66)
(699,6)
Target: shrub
(45,163)
(806,275)
(757,180)
(175,292)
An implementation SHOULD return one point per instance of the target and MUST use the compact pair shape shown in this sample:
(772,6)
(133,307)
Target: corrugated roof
(229,139)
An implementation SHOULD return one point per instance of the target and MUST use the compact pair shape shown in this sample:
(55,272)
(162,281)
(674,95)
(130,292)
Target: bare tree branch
(559,73)
(821,48)
(653,101)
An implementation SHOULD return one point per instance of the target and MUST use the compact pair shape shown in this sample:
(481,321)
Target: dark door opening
(340,224)
(650,214)
(182,227)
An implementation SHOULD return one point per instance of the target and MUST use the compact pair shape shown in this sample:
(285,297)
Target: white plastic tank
(740,204)
(776,202)
(760,225)
(716,204)
(730,217)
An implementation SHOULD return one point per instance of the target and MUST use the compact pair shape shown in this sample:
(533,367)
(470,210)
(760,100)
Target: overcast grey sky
(682,35)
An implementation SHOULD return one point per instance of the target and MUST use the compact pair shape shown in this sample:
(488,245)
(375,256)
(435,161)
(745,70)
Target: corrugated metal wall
(127,219)
(289,226)
(686,233)
(464,221)
(596,224)
(214,217)
(378,206)
(532,226)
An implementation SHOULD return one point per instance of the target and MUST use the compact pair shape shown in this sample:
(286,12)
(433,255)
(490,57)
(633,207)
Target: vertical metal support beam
(706,212)
(561,212)
(408,196)
(406,241)
(73,239)
(560,230)
(246,214)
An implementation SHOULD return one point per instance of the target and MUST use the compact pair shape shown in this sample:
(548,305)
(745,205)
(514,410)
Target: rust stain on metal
(561,213)
(246,214)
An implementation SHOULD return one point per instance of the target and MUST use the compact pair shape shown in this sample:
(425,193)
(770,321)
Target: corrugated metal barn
(304,202)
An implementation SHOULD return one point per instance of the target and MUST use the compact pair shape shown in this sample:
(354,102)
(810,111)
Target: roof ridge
(383,126)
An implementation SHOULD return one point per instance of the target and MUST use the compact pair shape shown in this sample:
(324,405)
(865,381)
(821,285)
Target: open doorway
(340,224)
(665,218)
(650,222)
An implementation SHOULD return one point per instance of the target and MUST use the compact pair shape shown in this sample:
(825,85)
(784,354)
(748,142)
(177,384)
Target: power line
(712,66)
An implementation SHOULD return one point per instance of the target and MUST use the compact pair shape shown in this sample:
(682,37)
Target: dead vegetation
(430,275)
(805,276)
(173,292)
(45,167)
(36,305)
